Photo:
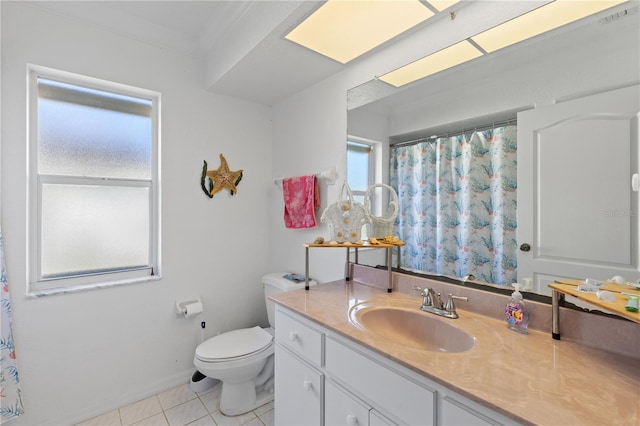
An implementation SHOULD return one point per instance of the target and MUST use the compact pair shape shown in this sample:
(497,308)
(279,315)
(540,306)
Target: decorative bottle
(516,313)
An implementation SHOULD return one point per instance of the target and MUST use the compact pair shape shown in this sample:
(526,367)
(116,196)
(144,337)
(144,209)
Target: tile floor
(181,406)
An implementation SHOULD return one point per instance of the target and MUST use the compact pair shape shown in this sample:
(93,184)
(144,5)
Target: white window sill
(36,293)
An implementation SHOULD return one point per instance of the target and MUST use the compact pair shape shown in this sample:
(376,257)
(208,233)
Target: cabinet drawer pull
(307,385)
(352,420)
(292,336)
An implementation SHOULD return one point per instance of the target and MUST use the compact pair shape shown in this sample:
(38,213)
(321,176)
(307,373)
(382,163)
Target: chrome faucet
(435,299)
(451,307)
(432,302)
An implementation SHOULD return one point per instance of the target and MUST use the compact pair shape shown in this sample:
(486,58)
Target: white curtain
(10,401)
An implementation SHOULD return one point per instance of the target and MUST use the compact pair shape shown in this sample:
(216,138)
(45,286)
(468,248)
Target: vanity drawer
(401,397)
(340,408)
(299,338)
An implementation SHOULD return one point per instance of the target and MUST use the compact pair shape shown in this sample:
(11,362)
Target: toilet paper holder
(187,308)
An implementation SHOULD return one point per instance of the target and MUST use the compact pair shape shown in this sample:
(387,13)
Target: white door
(577,213)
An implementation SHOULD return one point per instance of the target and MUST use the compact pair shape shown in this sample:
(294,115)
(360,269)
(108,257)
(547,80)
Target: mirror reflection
(504,167)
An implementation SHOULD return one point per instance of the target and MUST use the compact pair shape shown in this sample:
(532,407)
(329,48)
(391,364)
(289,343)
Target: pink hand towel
(301,198)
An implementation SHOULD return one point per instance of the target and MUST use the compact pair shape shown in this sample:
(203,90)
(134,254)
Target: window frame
(371,169)
(36,284)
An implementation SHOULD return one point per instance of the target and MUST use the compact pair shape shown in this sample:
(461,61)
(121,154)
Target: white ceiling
(240,42)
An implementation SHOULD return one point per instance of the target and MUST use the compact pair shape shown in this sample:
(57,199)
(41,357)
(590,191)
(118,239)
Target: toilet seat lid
(234,344)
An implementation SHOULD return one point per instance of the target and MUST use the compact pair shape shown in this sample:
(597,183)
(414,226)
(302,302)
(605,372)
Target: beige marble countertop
(530,378)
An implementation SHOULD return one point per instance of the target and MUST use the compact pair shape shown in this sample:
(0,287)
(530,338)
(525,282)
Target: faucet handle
(451,307)
(426,295)
(424,292)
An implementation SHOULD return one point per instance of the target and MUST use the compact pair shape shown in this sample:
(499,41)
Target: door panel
(340,408)
(576,208)
(298,391)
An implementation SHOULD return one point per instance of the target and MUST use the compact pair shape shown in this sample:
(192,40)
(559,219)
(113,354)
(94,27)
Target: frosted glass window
(77,135)
(94,182)
(92,229)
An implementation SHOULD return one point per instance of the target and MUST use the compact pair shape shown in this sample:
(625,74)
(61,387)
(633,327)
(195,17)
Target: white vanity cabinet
(388,390)
(323,378)
(300,388)
(300,383)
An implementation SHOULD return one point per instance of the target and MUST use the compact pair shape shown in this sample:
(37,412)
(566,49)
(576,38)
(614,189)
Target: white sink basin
(412,327)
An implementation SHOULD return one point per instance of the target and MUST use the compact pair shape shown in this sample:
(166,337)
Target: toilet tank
(277,283)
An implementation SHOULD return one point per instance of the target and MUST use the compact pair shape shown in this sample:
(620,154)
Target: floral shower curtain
(457,205)
(10,402)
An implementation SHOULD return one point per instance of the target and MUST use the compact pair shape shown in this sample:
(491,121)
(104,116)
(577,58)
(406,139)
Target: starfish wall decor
(220,178)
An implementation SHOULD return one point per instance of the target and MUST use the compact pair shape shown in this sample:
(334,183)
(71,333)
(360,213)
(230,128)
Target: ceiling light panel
(548,17)
(446,58)
(345,29)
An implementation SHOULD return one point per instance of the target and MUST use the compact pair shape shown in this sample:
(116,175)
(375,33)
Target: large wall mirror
(577,213)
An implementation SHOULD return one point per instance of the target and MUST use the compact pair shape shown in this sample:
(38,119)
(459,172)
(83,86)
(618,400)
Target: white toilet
(243,359)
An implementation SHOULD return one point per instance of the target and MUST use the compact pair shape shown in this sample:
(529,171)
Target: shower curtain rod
(462,131)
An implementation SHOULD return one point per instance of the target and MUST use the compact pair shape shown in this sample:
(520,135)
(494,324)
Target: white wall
(83,354)
(372,126)
(309,135)
(309,127)
(311,138)
(89,352)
